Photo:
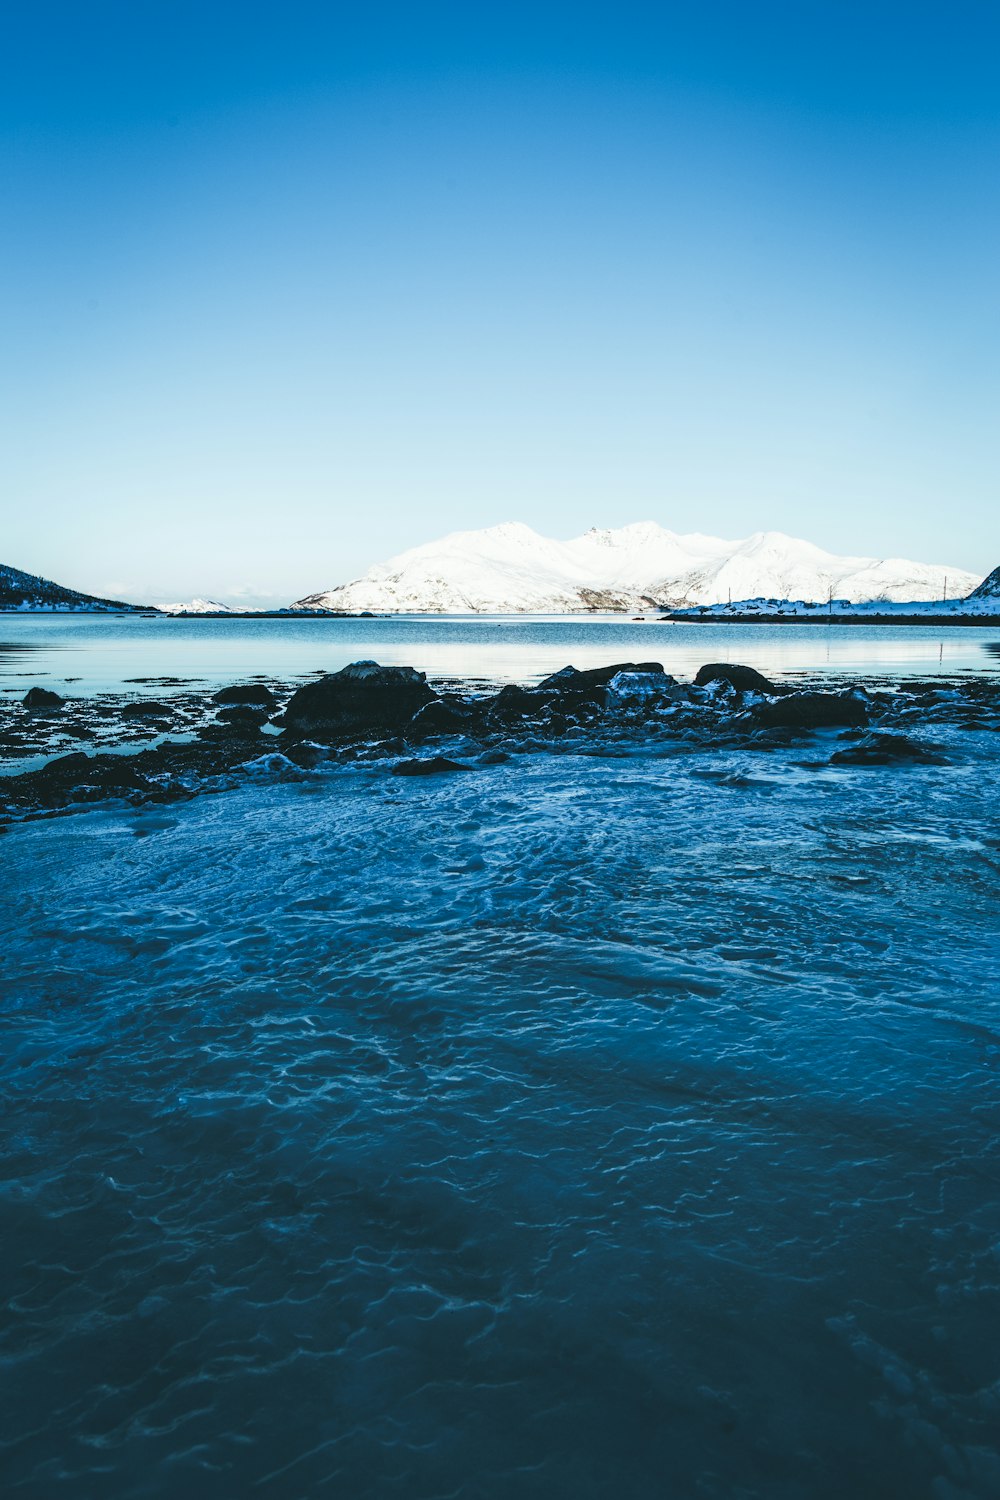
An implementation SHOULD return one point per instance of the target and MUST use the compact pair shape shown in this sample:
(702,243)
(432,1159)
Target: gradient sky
(286,288)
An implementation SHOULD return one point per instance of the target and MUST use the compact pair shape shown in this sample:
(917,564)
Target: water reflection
(108,651)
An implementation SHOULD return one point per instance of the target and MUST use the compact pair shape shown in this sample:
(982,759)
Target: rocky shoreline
(61,754)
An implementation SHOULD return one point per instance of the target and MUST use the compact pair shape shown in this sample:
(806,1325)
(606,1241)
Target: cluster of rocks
(374,710)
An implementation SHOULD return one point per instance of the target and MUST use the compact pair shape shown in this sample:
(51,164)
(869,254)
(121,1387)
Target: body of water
(581,1126)
(101,653)
(615,1117)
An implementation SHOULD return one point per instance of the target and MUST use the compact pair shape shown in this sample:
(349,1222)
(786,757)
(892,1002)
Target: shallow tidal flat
(616,1114)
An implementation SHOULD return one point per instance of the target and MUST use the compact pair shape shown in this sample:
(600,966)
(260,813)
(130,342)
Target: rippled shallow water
(581,1126)
(101,653)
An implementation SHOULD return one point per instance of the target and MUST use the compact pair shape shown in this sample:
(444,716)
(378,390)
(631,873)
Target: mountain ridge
(25,593)
(512,569)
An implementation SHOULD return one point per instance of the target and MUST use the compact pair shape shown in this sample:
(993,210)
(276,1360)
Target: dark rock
(514,704)
(431,767)
(438,717)
(571,680)
(889,750)
(743,679)
(305,754)
(43,698)
(242,717)
(636,690)
(362,698)
(146,709)
(86,778)
(493,758)
(247,695)
(814,711)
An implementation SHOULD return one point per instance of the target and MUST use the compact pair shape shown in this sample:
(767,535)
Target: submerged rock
(359,699)
(247,695)
(889,750)
(433,766)
(814,710)
(743,679)
(37,697)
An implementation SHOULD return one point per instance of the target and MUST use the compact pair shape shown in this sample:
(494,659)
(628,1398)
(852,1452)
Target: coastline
(87,750)
(820,618)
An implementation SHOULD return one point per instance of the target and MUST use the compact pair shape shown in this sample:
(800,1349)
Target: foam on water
(586,1125)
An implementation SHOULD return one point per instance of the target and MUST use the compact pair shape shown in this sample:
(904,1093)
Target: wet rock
(146,709)
(245,718)
(814,711)
(438,717)
(362,698)
(305,754)
(743,679)
(42,698)
(435,765)
(513,704)
(247,695)
(630,690)
(889,750)
(82,778)
(573,681)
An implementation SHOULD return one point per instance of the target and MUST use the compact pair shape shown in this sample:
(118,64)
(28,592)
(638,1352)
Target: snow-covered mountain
(27,593)
(198,607)
(511,569)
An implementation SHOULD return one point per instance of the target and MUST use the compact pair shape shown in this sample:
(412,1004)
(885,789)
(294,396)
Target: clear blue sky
(287,287)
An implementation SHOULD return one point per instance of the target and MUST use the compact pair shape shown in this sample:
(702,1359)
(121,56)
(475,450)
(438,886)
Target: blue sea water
(599,1123)
(100,653)
(592,1124)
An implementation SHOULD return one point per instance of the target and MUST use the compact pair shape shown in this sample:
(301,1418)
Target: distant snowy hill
(26,593)
(511,569)
(198,607)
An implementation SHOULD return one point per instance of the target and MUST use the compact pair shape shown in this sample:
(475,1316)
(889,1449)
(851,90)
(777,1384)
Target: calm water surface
(100,653)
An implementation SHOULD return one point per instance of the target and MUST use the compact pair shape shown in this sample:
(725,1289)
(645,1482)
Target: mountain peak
(511,569)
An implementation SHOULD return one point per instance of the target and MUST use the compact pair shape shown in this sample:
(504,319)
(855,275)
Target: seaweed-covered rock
(743,679)
(362,698)
(247,695)
(814,710)
(888,750)
(42,698)
(434,765)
